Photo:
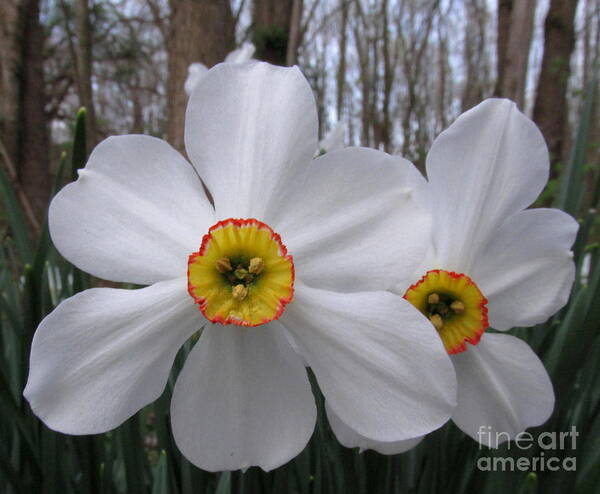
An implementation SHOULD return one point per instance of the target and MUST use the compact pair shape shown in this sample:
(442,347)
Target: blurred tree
(295,33)
(515,30)
(475,53)
(23,123)
(83,68)
(444,79)
(198,31)
(414,25)
(550,111)
(341,71)
(385,134)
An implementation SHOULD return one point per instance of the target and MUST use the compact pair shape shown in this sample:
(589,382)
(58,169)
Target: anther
(223,265)
(239,292)
(256,265)
(437,321)
(457,306)
(433,298)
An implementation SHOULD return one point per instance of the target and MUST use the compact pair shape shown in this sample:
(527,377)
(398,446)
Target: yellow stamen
(239,292)
(223,265)
(434,298)
(256,265)
(457,306)
(437,321)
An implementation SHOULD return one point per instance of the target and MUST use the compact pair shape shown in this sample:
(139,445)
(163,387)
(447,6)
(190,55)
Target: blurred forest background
(394,74)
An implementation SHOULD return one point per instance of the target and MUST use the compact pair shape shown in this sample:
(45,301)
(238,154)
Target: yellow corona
(454,305)
(242,273)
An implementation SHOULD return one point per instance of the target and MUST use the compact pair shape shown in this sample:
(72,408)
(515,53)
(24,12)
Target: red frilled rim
(283,252)
(473,340)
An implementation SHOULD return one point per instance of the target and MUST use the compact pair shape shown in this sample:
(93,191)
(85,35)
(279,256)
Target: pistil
(240,273)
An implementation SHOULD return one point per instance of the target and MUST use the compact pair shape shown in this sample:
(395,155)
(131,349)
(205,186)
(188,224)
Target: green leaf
(572,184)
(16,218)
(161,475)
(224,485)
(79,153)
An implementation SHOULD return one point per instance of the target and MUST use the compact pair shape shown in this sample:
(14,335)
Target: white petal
(242,54)
(352,439)
(104,353)
(527,269)
(135,214)
(490,163)
(195,73)
(249,128)
(502,388)
(242,399)
(351,223)
(379,362)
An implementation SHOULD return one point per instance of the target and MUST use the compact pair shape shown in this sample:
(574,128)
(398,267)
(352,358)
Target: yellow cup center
(242,273)
(454,305)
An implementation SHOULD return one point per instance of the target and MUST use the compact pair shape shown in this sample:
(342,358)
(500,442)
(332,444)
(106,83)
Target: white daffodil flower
(197,70)
(294,250)
(491,262)
(333,141)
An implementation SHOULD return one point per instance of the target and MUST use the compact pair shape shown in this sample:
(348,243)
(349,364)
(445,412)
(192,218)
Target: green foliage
(140,456)
(271,43)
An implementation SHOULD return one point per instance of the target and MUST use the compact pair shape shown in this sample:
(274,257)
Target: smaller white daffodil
(334,139)
(294,255)
(490,263)
(197,70)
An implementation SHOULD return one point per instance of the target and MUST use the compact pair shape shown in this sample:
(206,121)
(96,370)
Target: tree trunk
(388,81)
(294,38)
(271,23)
(200,31)
(23,123)
(443,69)
(550,111)
(84,69)
(513,54)
(504,17)
(341,72)
(474,53)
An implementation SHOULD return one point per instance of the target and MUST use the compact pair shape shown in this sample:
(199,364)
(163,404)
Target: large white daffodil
(197,70)
(491,262)
(291,255)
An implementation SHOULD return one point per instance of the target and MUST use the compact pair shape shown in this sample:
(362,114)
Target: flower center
(242,273)
(454,305)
